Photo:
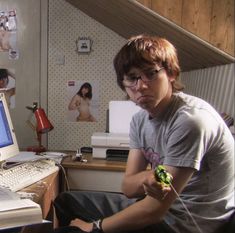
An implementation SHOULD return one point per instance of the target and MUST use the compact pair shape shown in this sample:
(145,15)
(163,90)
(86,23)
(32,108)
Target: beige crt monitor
(8,143)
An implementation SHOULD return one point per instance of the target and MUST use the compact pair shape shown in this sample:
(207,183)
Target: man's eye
(151,73)
(131,78)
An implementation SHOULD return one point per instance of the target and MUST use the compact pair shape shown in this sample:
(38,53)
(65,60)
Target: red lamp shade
(43,124)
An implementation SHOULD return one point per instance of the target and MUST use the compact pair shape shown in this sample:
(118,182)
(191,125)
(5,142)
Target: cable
(65,176)
(188,212)
(165,178)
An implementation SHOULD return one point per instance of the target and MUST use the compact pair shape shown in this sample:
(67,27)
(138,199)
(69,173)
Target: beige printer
(115,144)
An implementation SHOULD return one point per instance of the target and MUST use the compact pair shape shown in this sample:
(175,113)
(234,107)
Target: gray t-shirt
(191,134)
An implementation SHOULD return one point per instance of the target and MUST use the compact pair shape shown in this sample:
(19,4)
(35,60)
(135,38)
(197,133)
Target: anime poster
(82,101)
(8,29)
(7,85)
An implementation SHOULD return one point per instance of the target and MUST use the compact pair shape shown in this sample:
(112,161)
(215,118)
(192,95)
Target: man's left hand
(85,226)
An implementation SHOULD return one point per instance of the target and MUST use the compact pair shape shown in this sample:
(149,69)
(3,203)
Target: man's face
(149,95)
(3,82)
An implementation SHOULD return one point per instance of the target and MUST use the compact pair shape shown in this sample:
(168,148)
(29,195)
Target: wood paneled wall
(211,20)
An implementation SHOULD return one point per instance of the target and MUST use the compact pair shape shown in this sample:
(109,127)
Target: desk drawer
(96,180)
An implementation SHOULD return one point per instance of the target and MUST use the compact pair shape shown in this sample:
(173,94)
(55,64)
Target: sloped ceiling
(128,18)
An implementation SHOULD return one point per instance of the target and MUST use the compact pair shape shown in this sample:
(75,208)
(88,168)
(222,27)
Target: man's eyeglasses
(149,75)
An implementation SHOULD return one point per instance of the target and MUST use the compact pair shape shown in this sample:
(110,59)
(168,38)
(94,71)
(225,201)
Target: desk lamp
(43,125)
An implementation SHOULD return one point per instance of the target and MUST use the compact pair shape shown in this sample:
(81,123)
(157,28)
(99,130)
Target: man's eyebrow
(132,73)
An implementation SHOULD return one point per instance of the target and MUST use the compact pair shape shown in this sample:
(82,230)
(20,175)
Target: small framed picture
(83,45)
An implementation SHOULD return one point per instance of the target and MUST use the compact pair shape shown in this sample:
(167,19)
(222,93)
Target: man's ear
(171,76)
(172,79)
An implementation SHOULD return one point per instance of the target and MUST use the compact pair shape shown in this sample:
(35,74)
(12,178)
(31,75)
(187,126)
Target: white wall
(66,24)
(215,85)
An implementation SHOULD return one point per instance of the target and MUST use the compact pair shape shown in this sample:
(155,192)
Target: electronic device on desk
(109,145)
(8,143)
(25,174)
(114,145)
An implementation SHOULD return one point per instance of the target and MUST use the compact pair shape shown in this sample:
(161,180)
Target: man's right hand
(155,188)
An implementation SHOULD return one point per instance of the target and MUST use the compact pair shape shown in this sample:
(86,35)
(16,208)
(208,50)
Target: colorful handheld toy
(162,175)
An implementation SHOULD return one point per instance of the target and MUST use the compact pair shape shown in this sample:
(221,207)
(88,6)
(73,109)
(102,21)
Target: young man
(179,131)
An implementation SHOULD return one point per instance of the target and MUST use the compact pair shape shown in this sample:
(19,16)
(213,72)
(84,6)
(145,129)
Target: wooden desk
(95,174)
(44,192)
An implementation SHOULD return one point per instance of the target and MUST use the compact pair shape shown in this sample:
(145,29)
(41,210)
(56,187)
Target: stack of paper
(16,212)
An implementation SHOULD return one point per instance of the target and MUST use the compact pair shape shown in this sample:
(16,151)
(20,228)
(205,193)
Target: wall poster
(82,101)
(8,31)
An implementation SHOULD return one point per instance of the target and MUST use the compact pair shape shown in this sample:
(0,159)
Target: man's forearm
(132,185)
(132,218)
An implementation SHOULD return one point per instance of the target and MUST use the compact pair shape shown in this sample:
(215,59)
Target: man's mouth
(143,98)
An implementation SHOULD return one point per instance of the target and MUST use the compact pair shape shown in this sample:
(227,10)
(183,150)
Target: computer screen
(8,143)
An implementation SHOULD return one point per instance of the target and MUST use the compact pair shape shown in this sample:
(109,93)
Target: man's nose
(140,84)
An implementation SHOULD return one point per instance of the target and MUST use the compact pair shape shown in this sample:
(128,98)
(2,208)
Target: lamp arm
(31,125)
(39,137)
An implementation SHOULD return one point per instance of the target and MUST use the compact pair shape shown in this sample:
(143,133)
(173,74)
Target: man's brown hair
(143,50)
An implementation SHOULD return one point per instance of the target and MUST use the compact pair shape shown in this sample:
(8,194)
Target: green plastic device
(162,175)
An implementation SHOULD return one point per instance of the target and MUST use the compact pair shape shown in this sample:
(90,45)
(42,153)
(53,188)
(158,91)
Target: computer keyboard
(25,174)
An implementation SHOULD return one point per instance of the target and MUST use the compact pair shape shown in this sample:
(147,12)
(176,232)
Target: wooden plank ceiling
(128,18)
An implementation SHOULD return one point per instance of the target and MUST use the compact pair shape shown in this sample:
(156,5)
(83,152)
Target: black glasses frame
(135,79)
